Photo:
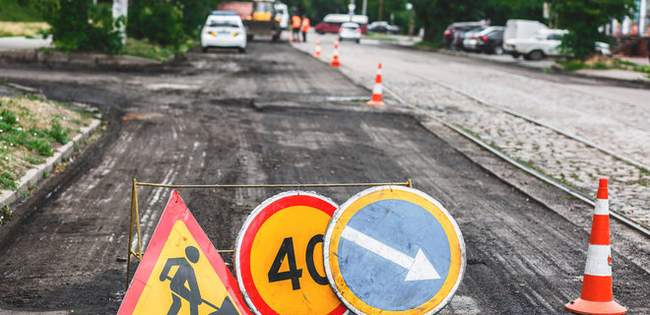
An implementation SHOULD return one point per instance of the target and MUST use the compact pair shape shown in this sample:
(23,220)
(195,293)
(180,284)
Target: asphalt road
(273,115)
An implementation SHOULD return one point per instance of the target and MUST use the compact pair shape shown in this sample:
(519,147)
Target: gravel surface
(490,100)
(272,115)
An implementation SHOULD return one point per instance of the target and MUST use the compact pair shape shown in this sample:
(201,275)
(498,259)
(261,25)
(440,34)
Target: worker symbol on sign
(185,276)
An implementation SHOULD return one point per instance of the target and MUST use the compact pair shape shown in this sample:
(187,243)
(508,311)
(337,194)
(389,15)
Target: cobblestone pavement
(532,117)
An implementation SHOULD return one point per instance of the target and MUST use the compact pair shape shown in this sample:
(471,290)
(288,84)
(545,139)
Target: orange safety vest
(305,25)
(295,22)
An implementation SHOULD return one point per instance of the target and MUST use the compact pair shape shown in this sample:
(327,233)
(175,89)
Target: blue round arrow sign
(395,250)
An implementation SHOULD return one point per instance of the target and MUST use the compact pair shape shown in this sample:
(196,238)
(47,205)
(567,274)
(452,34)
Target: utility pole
(643,14)
(380,13)
(364,7)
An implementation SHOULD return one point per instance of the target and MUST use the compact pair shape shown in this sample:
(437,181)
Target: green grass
(142,48)
(12,10)
(7,180)
(381,37)
(427,45)
(575,65)
(30,130)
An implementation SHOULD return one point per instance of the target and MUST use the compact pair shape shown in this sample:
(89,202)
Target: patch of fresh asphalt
(522,257)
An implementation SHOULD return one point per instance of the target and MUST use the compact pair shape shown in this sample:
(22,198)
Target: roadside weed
(31,128)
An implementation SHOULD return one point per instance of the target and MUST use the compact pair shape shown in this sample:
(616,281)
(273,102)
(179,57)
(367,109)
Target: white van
(517,30)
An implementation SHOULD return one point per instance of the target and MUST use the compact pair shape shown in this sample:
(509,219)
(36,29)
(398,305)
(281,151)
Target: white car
(545,43)
(350,31)
(223,29)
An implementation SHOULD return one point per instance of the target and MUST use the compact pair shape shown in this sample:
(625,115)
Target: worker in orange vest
(305,27)
(295,27)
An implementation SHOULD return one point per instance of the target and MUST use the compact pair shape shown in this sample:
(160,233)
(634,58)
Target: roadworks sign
(279,258)
(181,271)
(394,250)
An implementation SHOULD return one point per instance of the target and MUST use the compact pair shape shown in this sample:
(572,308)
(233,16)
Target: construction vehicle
(259,17)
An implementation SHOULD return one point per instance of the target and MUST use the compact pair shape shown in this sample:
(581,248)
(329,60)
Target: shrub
(78,25)
(583,18)
(160,21)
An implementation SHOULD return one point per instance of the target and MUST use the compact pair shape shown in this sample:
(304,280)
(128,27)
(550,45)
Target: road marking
(419,267)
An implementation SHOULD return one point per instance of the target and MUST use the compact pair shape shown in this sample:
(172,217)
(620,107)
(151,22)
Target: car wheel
(515,55)
(242,50)
(535,55)
(204,49)
(498,50)
(358,41)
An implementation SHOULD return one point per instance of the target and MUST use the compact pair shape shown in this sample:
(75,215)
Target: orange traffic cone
(335,63)
(377,98)
(597,296)
(317,48)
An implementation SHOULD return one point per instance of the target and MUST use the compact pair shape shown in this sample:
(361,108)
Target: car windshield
(222,23)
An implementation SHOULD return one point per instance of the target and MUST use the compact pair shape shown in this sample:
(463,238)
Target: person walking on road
(305,27)
(295,28)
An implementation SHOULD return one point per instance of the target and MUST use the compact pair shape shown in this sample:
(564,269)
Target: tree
(583,18)
(435,15)
(79,25)
(500,11)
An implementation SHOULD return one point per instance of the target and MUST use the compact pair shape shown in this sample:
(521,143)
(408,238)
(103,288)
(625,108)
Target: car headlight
(235,34)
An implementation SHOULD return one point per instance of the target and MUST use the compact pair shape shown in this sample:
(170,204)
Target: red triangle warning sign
(181,271)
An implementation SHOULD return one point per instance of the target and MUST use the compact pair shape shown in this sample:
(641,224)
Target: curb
(83,61)
(554,69)
(35,175)
(639,84)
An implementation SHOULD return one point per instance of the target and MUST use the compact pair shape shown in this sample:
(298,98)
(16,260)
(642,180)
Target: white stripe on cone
(598,260)
(602,207)
(377,89)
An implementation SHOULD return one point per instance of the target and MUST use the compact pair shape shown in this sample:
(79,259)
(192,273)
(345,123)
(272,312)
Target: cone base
(335,65)
(375,103)
(580,306)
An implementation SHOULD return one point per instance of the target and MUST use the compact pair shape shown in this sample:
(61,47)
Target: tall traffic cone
(317,48)
(335,63)
(597,296)
(377,98)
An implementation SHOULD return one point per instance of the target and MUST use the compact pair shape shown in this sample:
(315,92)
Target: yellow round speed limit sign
(279,258)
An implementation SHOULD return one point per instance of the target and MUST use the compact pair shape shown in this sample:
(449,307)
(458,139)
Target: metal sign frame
(134,215)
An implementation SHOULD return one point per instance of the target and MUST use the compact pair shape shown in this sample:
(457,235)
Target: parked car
(545,43)
(383,27)
(454,32)
(518,30)
(223,29)
(489,40)
(350,31)
(332,22)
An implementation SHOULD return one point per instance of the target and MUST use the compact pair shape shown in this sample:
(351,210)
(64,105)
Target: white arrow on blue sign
(394,250)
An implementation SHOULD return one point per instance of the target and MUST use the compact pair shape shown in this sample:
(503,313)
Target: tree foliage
(167,22)
(435,15)
(583,18)
(81,26)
